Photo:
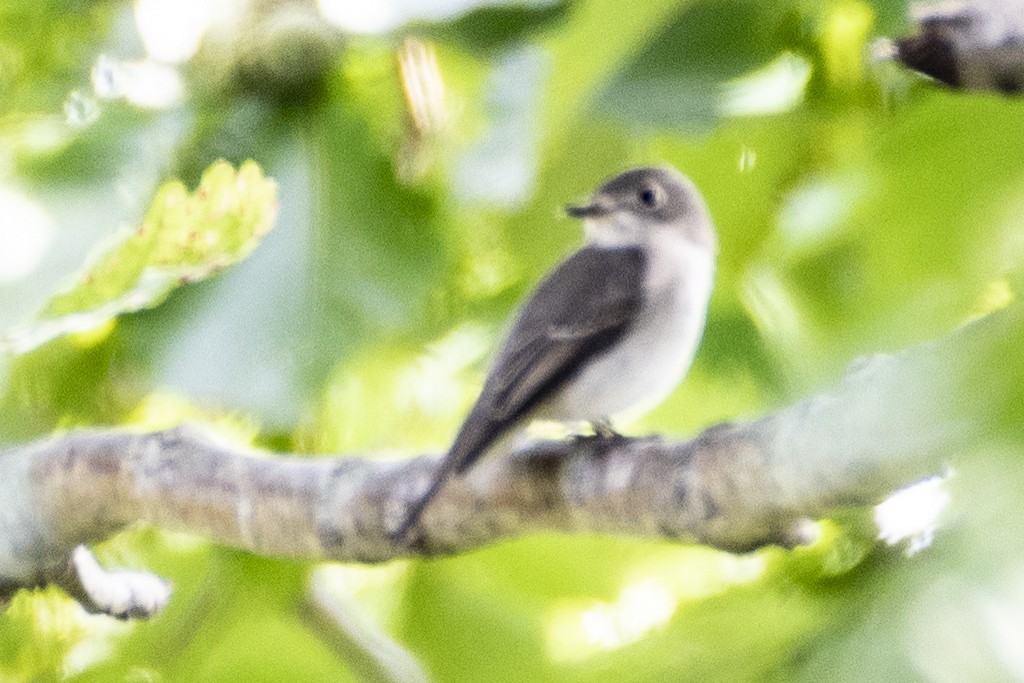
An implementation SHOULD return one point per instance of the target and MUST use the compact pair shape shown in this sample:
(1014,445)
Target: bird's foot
(602,440)
(603,430)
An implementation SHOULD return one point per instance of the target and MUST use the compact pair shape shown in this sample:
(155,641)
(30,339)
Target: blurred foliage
(419,163)
(183,238)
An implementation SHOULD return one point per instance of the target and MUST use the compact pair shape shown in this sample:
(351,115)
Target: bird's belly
(643,367)
(632,378)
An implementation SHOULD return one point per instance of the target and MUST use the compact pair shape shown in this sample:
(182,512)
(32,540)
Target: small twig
(342,625)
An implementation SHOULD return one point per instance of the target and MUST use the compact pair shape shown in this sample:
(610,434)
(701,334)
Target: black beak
(589,211)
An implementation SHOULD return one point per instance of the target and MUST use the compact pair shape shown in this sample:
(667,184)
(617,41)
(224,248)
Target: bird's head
(634,206)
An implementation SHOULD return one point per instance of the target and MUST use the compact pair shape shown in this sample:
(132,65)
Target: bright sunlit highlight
(352,580)
(423,85)
(844,34)
(1003,615)
(912,513)
(145,83)
(362,16)
(171,30)
(577,630)
(775,88)
(818,208)
(80,109)
(55,618)
(644,606)
(748,160)
(997,295)
(433,384)
(773,306)
(25,233)
(641,607)
(98,643)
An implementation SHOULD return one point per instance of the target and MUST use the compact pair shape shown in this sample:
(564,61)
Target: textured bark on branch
(892,420)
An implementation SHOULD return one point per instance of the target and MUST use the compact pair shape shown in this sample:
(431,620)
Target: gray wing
(581,309)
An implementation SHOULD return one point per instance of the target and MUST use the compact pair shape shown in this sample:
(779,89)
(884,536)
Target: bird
(976,45)
(611,331)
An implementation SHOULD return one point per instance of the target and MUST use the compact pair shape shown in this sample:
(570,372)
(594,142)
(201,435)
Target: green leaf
(487,30)
(185,237)
(678,79)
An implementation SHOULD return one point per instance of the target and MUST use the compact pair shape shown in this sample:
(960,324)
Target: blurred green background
(421,152)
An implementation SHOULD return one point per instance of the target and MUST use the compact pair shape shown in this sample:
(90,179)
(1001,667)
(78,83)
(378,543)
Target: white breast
(644,367)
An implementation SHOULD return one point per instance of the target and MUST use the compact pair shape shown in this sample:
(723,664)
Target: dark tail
(412,517)
(476,436)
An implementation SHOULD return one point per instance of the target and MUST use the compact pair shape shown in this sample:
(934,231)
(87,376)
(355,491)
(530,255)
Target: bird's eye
(650,197)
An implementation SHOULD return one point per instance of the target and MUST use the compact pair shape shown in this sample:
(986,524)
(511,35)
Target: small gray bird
(611,331)
(969,44)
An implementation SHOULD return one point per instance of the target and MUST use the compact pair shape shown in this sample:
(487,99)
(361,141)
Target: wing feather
(579,311)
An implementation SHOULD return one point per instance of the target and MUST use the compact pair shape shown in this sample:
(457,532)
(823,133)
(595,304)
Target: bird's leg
(602,440)
(603,429)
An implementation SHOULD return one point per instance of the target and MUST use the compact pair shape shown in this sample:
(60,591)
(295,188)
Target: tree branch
(892,420)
